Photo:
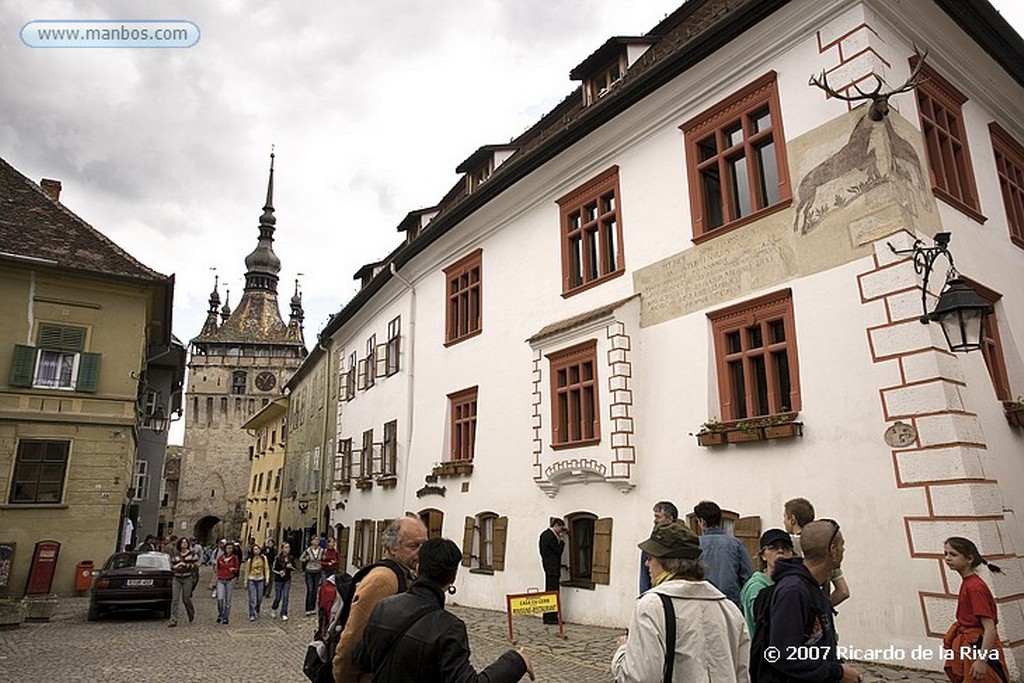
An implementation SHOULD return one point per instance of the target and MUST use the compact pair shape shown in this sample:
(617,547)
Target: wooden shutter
(378,541)
(60,337)
(467,542)
(602,560)
(88,372)
(363,369)
(343,533)
(357,545)
(748,531)
(23,366)
(498,548)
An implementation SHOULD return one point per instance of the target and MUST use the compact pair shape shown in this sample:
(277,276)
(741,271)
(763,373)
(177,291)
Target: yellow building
(268,429)
(80,319)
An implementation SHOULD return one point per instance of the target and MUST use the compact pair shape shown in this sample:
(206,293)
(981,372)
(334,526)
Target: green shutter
(23,365)
(88,372)
(60,337)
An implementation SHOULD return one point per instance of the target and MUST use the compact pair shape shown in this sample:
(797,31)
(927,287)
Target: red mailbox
(44,565)
(83,575)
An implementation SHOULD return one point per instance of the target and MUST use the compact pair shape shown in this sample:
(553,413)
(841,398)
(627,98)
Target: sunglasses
(835,531)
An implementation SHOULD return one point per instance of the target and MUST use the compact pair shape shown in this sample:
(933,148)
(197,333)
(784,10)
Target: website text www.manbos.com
(51,33)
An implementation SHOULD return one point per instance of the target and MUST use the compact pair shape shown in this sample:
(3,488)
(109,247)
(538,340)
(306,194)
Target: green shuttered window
(58,361)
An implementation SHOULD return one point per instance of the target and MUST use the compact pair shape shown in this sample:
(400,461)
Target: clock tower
(236,366)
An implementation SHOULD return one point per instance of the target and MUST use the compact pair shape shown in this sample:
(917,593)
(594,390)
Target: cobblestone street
(140,647)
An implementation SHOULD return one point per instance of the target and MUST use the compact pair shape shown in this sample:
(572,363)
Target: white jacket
(712,643)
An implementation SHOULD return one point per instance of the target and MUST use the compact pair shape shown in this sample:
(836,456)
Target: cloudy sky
(371,106)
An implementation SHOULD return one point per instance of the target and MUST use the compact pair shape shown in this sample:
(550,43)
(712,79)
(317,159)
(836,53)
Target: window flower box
(364,484)
(785,430)
(451,468)
(711,438)
(387,481)
(715,433)
(343,487)
(712,433)
(745,433)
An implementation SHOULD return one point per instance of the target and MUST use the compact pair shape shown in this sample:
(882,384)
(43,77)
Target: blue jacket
(727,561)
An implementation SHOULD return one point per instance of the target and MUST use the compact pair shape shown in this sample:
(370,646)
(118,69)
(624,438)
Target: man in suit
(552,543)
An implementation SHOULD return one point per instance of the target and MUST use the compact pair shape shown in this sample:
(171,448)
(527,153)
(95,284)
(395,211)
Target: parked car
(132,580)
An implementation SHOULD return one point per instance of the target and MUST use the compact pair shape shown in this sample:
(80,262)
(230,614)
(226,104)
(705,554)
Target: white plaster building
(696,234)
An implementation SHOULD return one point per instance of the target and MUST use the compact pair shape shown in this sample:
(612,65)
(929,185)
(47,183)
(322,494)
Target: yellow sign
(536,603)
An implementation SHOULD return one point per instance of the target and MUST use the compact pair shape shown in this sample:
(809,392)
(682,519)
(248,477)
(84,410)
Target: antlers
(879,108)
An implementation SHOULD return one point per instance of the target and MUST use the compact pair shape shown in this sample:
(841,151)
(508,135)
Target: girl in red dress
(974,651)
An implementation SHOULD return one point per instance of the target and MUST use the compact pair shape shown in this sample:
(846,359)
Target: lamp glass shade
(961,313)
(158,420)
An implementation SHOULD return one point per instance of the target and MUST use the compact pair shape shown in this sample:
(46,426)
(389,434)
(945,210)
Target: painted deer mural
(872,155)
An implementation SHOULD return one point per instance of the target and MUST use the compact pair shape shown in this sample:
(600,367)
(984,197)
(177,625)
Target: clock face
(265,381)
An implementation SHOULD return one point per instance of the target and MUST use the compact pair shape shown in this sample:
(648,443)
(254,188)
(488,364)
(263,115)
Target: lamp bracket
(924,261)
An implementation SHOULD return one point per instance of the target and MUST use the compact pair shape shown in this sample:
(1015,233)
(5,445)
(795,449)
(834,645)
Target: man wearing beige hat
(708,632)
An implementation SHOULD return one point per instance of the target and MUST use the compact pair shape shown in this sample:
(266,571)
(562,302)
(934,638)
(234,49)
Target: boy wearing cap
(774,543)
(711,640)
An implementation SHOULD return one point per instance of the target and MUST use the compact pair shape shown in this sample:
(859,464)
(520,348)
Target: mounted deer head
(879,108)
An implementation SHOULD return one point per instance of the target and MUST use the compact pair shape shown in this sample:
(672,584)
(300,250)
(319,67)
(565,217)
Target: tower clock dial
(265,381)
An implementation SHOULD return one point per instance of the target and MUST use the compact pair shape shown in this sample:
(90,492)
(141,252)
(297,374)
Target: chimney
(51,188)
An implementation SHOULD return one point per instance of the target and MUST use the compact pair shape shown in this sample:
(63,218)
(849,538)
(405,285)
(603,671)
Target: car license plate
(139,582)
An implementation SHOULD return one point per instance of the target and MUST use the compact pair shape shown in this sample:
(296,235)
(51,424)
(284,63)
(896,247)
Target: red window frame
(940,108)
(992,345)
(756,357)
(463,406)
(725,193)
(464,298)
(1009,156)
(591,220)
(575,401)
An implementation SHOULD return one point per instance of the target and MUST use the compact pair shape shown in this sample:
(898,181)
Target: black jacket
(801,615)
(551,546)
(434,650)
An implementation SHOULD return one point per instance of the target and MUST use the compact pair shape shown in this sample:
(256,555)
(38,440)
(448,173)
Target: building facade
(162,398)
(237,364)
(306,508)
(700,242)
(85,325)
(268,431)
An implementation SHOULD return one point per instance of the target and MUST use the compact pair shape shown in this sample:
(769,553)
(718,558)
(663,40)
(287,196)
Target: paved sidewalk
(140,647)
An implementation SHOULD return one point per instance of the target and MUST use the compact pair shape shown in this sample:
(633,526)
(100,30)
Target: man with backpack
(794,636)
(401,542)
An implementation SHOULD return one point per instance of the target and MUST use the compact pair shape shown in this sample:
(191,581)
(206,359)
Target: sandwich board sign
(533,602)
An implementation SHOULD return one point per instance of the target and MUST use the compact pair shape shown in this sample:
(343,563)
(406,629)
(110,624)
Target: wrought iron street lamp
(158,420)
(960,311)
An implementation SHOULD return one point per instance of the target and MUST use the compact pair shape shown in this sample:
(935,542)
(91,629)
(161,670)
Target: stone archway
(207,529)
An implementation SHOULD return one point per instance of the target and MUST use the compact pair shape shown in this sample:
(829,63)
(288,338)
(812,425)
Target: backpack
(760,670)
(319,661)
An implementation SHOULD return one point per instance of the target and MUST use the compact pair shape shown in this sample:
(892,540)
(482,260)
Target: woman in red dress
(973,649)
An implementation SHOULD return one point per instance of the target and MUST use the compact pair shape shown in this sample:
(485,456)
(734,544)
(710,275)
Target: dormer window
(481,173)
(482,163)
(602,71)
(367,273)
(415,222)
(600,84)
